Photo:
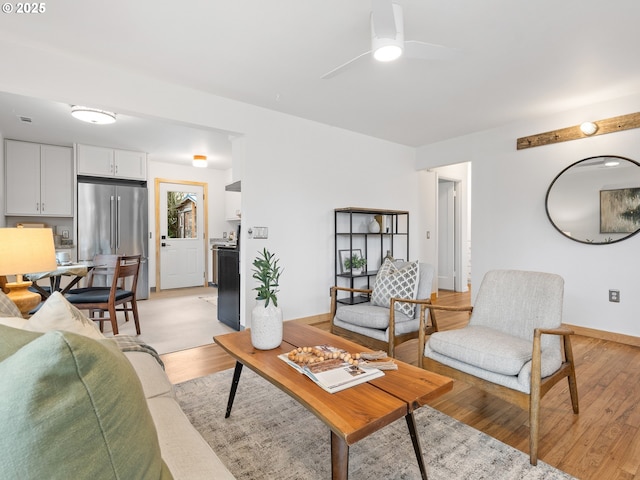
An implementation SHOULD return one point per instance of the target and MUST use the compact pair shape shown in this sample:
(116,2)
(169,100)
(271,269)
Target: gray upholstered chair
(512,345)
(384,327)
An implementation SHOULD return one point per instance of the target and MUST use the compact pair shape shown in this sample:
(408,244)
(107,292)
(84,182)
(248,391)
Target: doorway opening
(181,214)
(448,234)
(453,212)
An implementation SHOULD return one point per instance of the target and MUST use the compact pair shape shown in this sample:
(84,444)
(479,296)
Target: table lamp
(25,250)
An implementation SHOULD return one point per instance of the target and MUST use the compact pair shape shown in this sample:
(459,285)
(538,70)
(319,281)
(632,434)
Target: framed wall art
(346,254)
(620,210)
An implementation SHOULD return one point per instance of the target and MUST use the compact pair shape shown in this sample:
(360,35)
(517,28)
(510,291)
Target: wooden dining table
(75,270)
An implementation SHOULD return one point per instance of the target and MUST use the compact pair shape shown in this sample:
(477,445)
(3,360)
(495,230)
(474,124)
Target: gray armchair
(512,346)
(384,327)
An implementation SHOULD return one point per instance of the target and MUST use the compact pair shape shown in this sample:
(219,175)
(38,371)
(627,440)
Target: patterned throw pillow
(7,307)
(396,282)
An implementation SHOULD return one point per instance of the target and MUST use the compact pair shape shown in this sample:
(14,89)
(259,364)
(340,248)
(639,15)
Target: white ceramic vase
(266,326)
(374,226)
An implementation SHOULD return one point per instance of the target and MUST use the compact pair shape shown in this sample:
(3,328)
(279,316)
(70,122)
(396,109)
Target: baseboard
(604,335)
(314,319)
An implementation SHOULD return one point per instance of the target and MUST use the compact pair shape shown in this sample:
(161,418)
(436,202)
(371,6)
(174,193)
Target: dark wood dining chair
(100,300)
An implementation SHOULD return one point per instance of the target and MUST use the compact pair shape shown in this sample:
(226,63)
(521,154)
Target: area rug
(271,436)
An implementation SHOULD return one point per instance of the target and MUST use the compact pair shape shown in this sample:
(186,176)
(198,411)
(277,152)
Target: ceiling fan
(387,39)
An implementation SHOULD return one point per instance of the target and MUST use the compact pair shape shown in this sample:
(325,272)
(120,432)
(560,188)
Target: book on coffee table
(334,375)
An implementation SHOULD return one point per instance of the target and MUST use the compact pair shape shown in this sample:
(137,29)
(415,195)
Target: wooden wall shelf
(608,125)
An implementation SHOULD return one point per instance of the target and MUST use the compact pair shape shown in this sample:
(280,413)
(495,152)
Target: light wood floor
(602,442)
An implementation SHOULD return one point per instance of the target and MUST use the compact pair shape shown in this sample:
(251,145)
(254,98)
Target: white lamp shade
(26,250)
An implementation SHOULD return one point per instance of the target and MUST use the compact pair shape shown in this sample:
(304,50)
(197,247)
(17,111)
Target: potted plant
(355,263)
(266,316)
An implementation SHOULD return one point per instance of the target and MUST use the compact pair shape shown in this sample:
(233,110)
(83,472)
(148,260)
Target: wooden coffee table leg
(339,458)
(413,432)
(234,386)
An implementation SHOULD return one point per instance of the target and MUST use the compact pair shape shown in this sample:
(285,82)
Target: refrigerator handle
(111,222)
(118,226)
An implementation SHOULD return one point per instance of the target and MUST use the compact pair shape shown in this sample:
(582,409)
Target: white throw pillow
(58,314)
(7,307)
(14,322)
(396,282)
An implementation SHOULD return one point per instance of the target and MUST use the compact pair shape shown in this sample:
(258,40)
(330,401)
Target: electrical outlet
(614,296)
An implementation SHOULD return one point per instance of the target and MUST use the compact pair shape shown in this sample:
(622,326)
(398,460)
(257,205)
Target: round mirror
(596,200)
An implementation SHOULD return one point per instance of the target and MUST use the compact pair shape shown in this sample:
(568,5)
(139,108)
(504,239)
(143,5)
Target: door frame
(460,173)
(205,196)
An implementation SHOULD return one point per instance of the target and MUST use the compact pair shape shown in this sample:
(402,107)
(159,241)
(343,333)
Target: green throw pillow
(72,407)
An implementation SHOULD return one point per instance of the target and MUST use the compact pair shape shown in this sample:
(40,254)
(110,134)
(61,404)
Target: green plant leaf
(267,272)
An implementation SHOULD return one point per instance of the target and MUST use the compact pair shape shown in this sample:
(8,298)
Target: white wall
(295,172)
(510,226)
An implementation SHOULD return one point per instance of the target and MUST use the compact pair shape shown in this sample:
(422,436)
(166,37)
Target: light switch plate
(260,232)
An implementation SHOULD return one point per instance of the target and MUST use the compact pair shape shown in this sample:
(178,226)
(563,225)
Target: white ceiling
(51,122)
(518,60)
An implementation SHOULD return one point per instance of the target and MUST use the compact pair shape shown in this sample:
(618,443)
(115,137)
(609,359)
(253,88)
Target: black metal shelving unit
(352,232)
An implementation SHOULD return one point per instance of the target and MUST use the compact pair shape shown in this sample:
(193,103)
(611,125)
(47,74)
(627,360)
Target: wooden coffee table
(351,414)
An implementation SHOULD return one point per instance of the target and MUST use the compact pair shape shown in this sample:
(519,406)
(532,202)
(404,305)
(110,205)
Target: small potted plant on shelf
(355,264)
(266,317)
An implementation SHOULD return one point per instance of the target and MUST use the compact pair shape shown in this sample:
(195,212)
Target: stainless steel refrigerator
(113,219)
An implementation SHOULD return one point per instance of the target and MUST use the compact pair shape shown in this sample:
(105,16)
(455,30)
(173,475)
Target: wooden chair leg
(573,384)
(114,319)
(534,427)
(97,316)
(134,308)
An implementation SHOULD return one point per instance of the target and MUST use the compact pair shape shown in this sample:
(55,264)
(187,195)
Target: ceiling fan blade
(383,18)
(344,66)
(429,51)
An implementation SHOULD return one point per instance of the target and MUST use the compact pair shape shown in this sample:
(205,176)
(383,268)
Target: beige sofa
(59,336)
(184,451)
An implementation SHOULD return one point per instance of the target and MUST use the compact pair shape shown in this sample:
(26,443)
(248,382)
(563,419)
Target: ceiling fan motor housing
(388,44)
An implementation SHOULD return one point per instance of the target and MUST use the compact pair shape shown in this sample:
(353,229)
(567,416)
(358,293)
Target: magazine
(333,374)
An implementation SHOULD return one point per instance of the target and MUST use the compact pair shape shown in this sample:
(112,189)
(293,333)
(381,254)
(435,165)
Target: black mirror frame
(546,202)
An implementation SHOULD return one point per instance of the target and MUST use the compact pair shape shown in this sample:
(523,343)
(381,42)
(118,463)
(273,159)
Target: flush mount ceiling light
(200,161)
(588,128)
(93,115)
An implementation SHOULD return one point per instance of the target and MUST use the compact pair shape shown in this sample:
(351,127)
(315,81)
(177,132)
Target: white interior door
(182,260)
(446,235)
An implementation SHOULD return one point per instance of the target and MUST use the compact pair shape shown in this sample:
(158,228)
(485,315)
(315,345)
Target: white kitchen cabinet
(109,162)
(232,205)
(130,164)
(38,179)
